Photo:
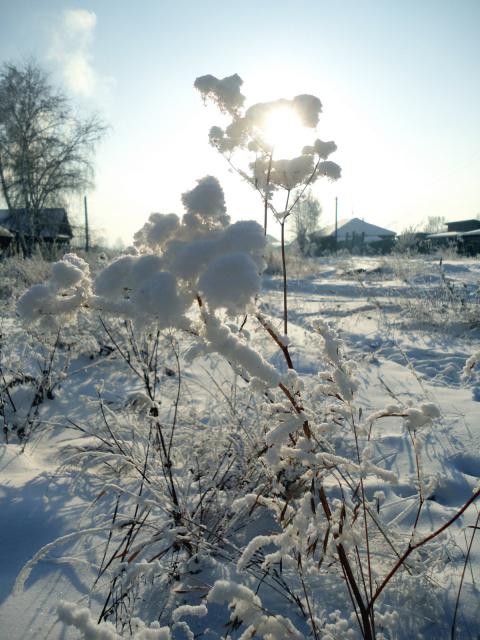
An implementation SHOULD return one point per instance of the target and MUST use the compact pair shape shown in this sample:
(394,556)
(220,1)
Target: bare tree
(45,149)
(434,224)
(407,240)
(305,219)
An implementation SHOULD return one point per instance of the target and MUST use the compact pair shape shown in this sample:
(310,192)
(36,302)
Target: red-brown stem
(421,497)
(305,186)
(284,273)
(277,340)
(362,489)
(298,409)
(291,398)
(475,527)
(364,611)
(265,198)
(312,619)
(284,267)
(412,547)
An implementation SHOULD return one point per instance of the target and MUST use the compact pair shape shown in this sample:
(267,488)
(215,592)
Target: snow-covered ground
(409,326)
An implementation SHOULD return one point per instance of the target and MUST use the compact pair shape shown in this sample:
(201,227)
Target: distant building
(463,225)
(51,227)
(464,235)
(356,235)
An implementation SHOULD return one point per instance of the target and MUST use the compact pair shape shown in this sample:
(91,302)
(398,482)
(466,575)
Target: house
(462,226)
(464,235)
(51,227)
(356,236)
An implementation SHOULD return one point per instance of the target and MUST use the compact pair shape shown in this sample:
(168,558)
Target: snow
(309,108)
(292,172)
(321,148)
(82,619)
(65,275)
(157,297)
(157,230)
(202,254)
(383,338)
(234,272)
(115,278)
(225,91)
(329,169)
(205,204)
(247,606)
(179,463)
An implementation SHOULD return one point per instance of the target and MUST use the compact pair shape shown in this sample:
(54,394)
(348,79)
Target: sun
(284,131)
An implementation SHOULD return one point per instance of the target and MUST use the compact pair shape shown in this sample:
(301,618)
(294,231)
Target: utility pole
(87,238)
(336,224)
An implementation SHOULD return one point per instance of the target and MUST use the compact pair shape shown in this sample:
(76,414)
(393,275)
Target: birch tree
(46,150)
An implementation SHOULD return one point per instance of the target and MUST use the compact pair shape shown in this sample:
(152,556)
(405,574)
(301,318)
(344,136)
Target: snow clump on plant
(67,290)
(225,92)
(248,131)
(199,258)
(321,148)
(159,228)
(205,205)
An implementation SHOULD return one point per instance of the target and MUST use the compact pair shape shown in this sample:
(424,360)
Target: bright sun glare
(286,133)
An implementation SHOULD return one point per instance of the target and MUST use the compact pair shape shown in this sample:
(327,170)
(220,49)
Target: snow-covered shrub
(283,491)
(428,293)
(282,474)
(32,369)
(17,274)
(35,359)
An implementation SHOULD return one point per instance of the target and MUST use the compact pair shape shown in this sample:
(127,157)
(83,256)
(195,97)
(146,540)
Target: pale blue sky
(399,81)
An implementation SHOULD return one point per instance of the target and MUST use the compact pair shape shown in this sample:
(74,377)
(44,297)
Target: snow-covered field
(94,461)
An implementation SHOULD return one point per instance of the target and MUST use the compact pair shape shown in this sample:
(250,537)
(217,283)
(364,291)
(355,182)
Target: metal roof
(446,234)
(357,227)
(454,234)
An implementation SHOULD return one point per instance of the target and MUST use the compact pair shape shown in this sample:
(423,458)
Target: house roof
(474,232)
(49,223)
(454,234)
(445,234)
(469,220)
(357,227)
